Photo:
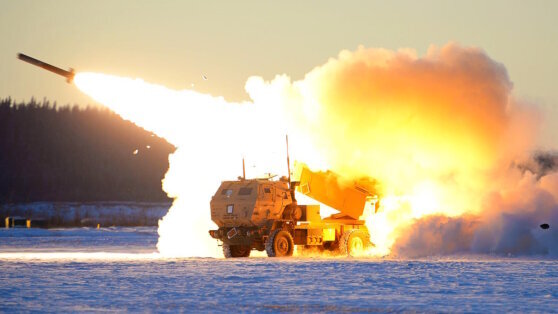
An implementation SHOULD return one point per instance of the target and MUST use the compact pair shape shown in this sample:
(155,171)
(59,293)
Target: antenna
(288,161)
(243,170)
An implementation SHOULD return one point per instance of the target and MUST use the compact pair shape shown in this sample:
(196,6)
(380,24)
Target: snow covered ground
(115,269)
(112,239)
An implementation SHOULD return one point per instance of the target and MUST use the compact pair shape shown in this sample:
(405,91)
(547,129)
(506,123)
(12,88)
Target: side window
(267,193)
(230,208)
(227,192)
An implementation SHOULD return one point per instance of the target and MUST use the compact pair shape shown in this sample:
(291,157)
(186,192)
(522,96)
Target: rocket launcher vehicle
(69,75)
(264,215)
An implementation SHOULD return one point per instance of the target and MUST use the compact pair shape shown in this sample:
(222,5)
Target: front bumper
(236,235)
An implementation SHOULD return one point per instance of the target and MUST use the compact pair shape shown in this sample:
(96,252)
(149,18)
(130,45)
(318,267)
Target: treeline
(52,153)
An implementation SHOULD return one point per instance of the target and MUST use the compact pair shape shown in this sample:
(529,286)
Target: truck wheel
(280,243)
(235,250)
(353,243)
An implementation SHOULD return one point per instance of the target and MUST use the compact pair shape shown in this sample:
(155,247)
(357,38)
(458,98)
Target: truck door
(267,200)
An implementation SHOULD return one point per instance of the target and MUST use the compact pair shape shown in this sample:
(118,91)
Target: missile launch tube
(69,75)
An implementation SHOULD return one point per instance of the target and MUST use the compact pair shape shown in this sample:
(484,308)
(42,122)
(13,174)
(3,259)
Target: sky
(177,43)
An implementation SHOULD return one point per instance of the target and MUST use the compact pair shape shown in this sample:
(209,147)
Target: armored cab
(263,214)
(249,203)
(246,211)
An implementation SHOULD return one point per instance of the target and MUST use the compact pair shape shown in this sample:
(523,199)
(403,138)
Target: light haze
(177,43)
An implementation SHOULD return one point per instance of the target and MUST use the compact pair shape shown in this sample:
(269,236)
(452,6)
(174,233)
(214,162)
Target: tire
(353,243)
(279,244)
(230,251)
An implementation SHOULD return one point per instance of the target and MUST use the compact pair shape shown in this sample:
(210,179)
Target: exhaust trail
(211,136)
(442,133)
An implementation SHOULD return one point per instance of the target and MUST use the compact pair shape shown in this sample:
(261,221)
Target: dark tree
(50,153)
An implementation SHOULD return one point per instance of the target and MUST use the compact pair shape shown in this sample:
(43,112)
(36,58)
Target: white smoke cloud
(440,132)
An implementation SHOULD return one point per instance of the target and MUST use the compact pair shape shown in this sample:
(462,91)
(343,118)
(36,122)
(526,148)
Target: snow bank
(66,214)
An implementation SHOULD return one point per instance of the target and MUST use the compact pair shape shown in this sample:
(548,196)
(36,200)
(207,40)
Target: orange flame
(434,130)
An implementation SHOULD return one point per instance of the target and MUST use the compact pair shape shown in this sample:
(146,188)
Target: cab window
(227,192)
(266,193)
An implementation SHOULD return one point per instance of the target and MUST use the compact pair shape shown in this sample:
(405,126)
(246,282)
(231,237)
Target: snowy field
(64,270)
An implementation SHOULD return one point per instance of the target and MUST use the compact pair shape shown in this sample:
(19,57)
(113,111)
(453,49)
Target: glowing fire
(433,130)
(211,135)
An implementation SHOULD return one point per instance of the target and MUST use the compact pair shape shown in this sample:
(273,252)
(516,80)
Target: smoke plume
(509,223)
(442,133)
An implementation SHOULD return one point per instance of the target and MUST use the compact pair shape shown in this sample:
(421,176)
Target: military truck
(263,214)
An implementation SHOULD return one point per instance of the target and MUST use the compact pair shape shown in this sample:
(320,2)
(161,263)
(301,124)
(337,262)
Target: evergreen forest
(77,154)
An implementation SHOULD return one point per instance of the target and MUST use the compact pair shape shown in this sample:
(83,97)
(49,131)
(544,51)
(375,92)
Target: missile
(69,75)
